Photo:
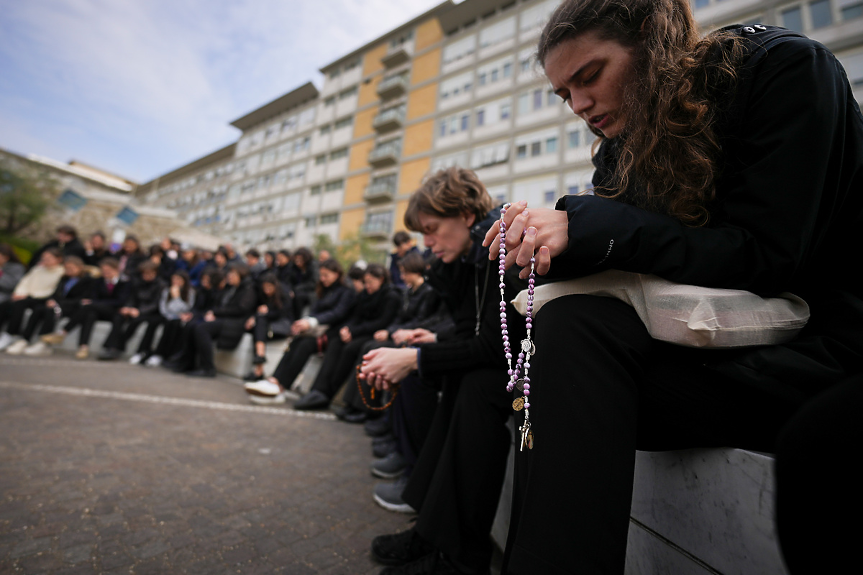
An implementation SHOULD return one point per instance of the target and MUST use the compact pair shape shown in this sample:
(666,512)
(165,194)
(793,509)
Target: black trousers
(15,316)
(49,316)
(602,388)
(200,341)
(294,360)
(339,363)
(171,340)
(86,317)
(457,479)
(124,327)
(412,416)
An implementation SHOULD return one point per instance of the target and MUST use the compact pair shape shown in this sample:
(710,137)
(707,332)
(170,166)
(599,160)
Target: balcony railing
(391,119)
(384,190)
(395,56)
(392,86)
(376,230)
(384,155)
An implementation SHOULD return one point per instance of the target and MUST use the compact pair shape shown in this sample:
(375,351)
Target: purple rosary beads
(518,376)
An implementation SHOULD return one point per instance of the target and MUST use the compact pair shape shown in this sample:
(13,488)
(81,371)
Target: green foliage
(354,248)
(25,195)
(22,246)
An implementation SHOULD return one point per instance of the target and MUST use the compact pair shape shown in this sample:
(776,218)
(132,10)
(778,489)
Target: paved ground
(109,468)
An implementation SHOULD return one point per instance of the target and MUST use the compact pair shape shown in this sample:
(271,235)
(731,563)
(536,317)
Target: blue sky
(139,87)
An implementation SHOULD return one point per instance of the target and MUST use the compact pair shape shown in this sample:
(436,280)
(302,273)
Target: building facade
(457,85)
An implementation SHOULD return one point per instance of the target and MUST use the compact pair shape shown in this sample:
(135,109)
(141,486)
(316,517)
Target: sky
(140,87)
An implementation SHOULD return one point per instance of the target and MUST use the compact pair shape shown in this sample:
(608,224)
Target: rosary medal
(518,404)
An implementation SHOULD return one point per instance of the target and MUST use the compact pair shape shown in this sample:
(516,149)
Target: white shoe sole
(396,507)
(267,399)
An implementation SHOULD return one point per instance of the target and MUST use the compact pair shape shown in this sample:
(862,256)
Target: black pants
(16,317)
(49,316)
(124,327)
(601,387)
(171,340)
(339,362)
(201,336)
(457,479)
(294,360)
(86,317)
(412,416)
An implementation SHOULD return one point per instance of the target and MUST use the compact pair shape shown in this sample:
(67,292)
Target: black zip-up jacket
(334,304)
(788,211)
(115,298)
(144,296)
(236,301)
(418,305)
(82,289)
(374,311)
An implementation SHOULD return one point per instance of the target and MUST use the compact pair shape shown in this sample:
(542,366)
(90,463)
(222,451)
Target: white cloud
(142,87)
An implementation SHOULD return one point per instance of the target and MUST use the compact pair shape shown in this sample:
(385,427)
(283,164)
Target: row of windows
(343,95)
(499,110)
(346,68)
(819,14)
(334,155)
(345,122)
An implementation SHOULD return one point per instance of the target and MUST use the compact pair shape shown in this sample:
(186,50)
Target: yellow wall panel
(363,122)
(428,33)
(369,92)
(426,67)
(354,189)
(351,222)
(422,102)
(401,208)
(372,59)
(412,174)
(418,138)
(360,154)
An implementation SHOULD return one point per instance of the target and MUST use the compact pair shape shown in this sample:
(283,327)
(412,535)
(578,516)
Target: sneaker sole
(258,393)
(396,507)
(266,399)
(387,475)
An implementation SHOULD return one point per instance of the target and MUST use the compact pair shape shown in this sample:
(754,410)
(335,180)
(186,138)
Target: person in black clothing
(96,249)
(375,309)
(456,482)
(142,306)
(224,322)
(303,279)
(256,264)
(108,295)
(130,257)
(732,161)
(75,285)
(165,265)
(334,303)
(282,267)
(404,246)
(272,320)
(176,306)
(66,241)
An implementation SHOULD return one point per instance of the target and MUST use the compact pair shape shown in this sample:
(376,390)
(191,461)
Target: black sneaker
(377,427)
(399,548)
(384,448)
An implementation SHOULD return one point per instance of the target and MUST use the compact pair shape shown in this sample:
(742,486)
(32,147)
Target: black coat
(334,304)
(73,248)
(144,296)
(788,211)
(417,307)
(235,306)
(374,312)
(115,298)
(67,297)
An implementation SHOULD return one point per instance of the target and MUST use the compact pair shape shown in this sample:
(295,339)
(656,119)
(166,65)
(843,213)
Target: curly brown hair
(668,154)
(448,194)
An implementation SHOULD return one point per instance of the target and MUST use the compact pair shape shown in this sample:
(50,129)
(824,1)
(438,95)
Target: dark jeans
(602,388)
(50,316)
(294,360)
(339,362)
(86,317)
(16,316)
(124,328)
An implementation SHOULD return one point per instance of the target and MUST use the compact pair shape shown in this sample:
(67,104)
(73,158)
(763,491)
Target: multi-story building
(457,85)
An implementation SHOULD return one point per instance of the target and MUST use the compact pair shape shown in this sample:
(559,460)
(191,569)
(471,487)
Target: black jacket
(144,296)
(73,248)
(334,304)
(788,211)
(374,312)
(417,306)
(114,298)
(235,305)
(462,284)
(68,295)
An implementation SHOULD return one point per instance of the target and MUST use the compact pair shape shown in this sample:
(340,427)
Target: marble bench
(698,511)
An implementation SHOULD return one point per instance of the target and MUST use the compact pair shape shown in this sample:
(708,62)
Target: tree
(25,195)
(353,248)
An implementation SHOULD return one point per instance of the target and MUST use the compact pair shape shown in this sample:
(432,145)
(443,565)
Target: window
(523,104)
(505,111)
(335,74)
(821,14)
(490,155)
(464,122)
(536,148)
(340,153)
(350,92)
(552,98)
(496,33)
(549,197)
(537,99)
(701,3)
(575,138)
(459,49)
(460,84)
(310,221)
(480,117)
(793,19)
(572,190)
(482,78)
(521,152)
(315,190)
(325,129)
(344,122)
(329,218)
(351,65)
(507,69)
(334,185)
(850,9)
(322,159)
(330,101)
(551,145)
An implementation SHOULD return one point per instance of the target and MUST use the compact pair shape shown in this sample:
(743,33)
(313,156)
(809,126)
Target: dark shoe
(390,466)
(384,447)
(389,496)
(252,376)
(399,548)
(313,400)
(110,354)
(259,360)
(350,414)
(435,563)
(202,373)
(377,427)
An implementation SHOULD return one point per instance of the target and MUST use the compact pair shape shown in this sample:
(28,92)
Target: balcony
(385,155)
(388,120)
(395,56)
(376,230)
(393,86)
(381,191)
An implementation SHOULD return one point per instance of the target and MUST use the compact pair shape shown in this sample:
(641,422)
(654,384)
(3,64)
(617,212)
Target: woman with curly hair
(729,161)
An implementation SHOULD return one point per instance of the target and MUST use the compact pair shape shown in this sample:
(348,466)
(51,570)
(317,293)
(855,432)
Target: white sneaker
(263,388)
(18,347)
(38,348)
(6,340)
(153,361)
(136,359)
(267,400)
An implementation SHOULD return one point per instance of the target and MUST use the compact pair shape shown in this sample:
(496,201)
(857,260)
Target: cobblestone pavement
(110,468)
